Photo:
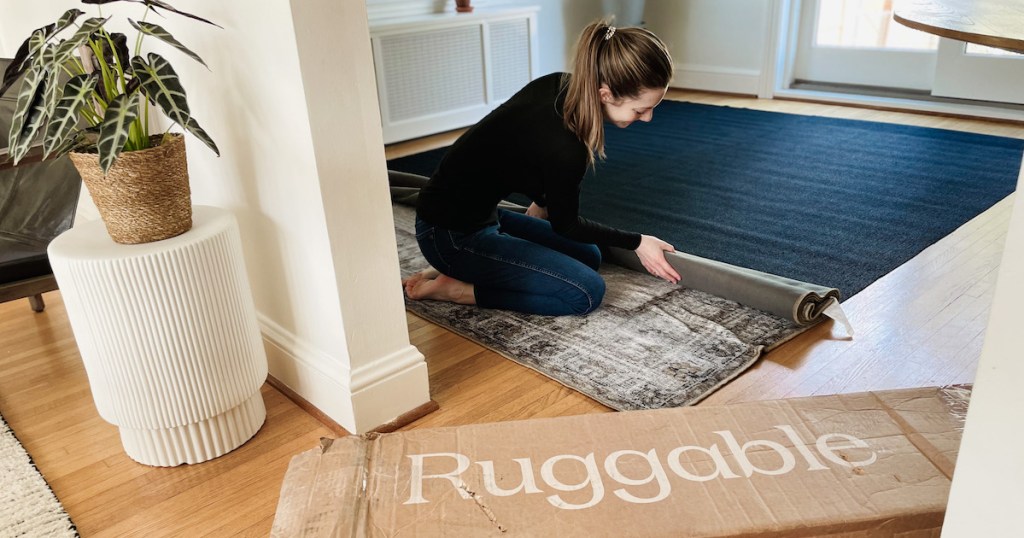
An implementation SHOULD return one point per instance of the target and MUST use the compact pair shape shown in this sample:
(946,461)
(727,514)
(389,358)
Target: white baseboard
(910,105)
(312,357)
(717,79)
(389,387)
(374,394)
(307,371)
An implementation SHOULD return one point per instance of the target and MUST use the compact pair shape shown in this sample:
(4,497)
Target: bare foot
(428,274)
(440,288)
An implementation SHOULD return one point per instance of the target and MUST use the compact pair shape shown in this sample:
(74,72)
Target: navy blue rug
(834,202)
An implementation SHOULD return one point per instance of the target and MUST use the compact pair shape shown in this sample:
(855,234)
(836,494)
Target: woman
(540,143)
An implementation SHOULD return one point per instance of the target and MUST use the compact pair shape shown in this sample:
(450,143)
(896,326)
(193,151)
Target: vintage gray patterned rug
(650,345)
(27,505)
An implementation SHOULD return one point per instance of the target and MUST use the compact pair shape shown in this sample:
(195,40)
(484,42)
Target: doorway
(855,46)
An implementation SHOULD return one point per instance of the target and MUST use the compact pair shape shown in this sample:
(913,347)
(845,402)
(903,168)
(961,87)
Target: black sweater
(520,147)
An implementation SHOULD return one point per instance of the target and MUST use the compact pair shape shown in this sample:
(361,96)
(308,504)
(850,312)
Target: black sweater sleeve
(562,189)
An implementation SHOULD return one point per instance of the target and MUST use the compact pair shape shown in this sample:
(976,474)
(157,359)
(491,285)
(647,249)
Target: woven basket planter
(145,196)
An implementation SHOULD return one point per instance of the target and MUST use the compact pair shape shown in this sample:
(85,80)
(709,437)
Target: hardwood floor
(923,324)
(45,398)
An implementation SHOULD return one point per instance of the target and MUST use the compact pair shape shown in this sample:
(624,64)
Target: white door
(970,71)
(857,42)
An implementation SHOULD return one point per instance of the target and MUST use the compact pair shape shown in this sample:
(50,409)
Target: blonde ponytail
(628,60)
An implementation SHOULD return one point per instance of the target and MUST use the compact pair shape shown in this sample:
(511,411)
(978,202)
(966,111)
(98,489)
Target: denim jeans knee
(589,294)
(513,273)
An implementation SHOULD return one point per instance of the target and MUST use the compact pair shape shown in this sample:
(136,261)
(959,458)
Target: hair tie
(609,33)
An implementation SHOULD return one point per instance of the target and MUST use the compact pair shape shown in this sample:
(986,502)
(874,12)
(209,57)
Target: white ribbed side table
(168,334)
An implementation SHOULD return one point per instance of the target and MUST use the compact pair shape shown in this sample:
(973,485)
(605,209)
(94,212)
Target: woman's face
(624,111)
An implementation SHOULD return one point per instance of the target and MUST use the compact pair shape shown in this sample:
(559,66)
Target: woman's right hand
(652,255)
(537,211)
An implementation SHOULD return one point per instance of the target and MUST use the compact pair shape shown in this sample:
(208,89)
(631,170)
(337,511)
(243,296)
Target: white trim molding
(388,387)
(388,9)
(311,356)
(386,367)
(310,372)
(374,394)
(910,105)
(717,79)
(776,47)
(328,394)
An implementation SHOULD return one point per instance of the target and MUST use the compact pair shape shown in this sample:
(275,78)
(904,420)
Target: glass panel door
(857,42)
(970,71)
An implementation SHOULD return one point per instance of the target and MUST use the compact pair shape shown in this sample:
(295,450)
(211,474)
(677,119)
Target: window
(866,24)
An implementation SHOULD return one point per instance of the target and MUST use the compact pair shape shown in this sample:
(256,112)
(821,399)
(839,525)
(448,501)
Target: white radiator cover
(445,71)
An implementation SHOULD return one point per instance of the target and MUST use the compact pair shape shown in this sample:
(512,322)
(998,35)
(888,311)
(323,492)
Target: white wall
(311,198)
(987,491)
(717,45)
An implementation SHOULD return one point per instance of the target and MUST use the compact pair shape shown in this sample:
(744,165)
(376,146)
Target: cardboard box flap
(848,465)
(324,490)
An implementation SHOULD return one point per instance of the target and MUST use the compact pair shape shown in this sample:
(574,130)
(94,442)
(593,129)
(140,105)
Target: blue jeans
(518,264)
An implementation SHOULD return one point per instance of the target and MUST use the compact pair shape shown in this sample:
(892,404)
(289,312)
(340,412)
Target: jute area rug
(650,345)
(28,507)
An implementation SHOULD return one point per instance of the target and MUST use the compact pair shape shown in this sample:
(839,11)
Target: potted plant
(85,95)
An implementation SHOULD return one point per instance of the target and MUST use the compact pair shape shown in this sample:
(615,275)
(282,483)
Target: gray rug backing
(650,345)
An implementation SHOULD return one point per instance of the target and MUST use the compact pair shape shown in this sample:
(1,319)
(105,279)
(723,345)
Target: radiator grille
(433,72)
(510,54)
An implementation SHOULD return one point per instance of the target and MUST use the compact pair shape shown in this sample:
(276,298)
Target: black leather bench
(37,203)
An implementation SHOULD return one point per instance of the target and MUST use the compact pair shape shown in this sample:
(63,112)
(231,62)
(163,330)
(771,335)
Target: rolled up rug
(801,302)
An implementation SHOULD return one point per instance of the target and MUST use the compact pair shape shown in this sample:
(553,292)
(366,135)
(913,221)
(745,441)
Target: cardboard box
(868,464)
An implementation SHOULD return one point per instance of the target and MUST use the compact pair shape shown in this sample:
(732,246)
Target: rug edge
(5,424)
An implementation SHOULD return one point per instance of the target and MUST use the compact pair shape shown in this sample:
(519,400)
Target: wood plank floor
(923,324)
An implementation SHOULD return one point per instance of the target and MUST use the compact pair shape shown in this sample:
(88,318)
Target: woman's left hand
(537,211)
(652,255)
